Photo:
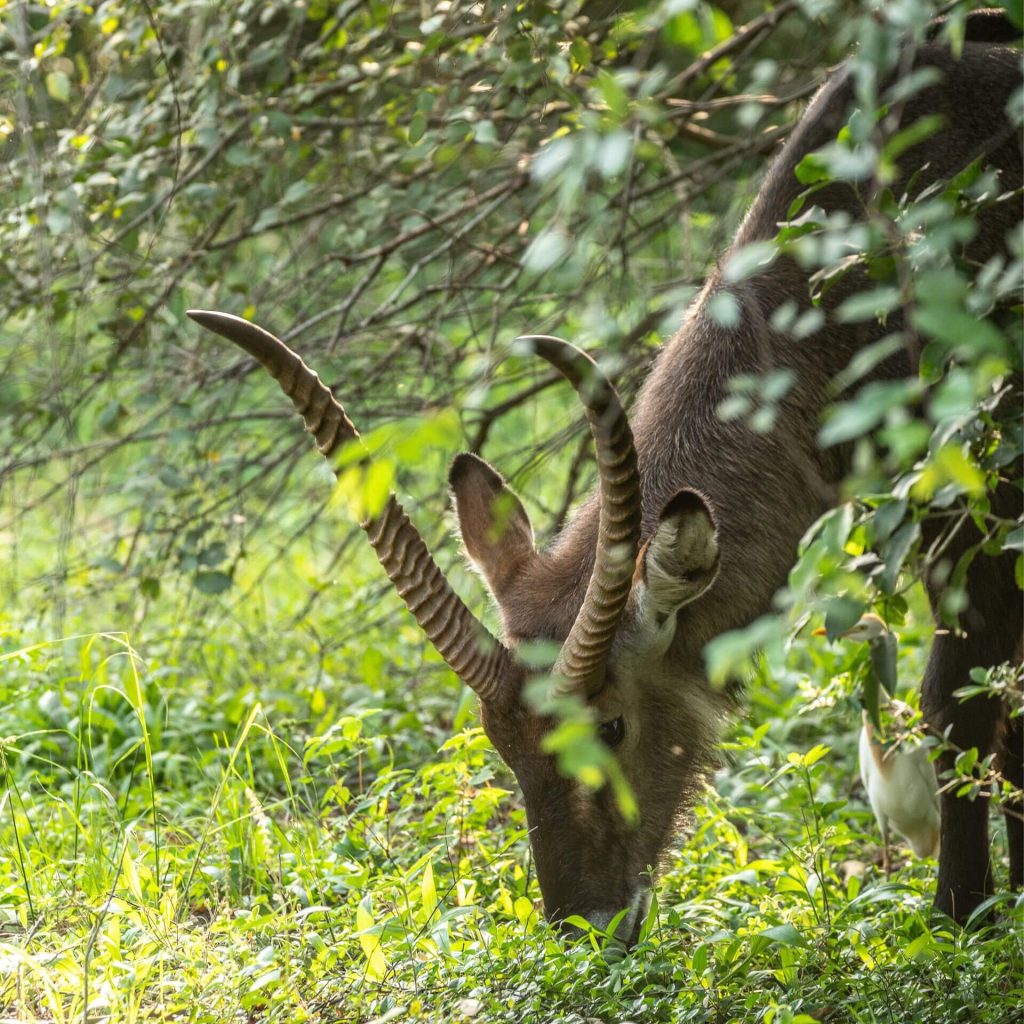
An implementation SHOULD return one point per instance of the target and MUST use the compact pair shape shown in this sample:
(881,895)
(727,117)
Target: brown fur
(760,492)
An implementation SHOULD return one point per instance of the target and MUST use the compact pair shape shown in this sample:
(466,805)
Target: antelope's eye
(613,732)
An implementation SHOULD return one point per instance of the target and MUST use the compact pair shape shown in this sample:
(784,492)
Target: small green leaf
(526,913)
(840,614)
(896,553)
(58,85)
(812,169)
(883,660)
(428,891)
(613,94)
(870,305)
(784,934)
(869,695)
(376,965)
(417,126)
(547,249)
(111,416)
(1014,539)
(887,517)
(213,554)
(579,53)
(212,582)
(815,754)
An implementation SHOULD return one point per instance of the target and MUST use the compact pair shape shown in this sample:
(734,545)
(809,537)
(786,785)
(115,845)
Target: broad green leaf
(417,126)
(428,893)
(376,964)
(613,94)
(896,551)
(784,934)
(212,582)
(58,85)
(840,614)
(883,651)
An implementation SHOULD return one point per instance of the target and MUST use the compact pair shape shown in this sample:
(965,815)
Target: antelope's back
(970,97)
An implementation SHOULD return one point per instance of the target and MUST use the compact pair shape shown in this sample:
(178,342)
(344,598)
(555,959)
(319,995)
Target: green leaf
(840,614)
(1014,539)
(723,307)
(869,695)
(417,126)
(212,582)
(613,94)
(111,416)
(749,260)
(428,891)
(526,913)
(920,130)
(812,169)
(882,652)
(959,329)
(728,656)
(815,754)
(376,964)
(896,553)
(213,554)
(547,249)
(58,86)
(784,934)
(870,305)
(865,411)
(887,517)
(579,53)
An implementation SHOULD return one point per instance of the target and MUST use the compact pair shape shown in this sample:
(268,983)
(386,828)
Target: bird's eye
(613,732)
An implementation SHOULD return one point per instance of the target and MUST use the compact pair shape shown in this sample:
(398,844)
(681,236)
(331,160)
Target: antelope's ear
(496,530)
(680,561)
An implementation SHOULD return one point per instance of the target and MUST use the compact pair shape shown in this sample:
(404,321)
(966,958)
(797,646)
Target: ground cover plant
(236,784)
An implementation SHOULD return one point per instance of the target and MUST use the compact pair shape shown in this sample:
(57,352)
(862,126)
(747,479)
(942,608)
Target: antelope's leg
(1013,808)
(988,634)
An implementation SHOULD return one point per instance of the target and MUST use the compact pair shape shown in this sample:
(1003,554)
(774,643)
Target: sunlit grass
(169,857)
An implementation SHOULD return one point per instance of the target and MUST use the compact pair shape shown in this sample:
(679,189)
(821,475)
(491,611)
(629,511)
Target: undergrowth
(190,833)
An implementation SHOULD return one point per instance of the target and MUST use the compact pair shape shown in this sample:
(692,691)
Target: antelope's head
(611,608)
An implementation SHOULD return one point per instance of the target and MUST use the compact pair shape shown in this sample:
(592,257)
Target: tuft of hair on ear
(682,556)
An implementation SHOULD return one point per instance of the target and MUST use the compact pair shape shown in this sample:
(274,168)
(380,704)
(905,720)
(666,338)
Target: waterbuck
(695,525)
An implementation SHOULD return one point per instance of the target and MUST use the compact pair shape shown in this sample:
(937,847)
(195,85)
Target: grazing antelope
(695,525)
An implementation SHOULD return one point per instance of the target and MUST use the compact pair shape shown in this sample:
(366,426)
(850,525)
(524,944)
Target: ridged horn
(582,658)
(476,657)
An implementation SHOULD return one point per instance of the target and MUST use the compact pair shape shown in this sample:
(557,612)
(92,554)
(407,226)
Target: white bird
(899,780)
(901,788)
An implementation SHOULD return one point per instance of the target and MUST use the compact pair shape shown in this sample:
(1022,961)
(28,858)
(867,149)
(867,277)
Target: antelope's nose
(626,925)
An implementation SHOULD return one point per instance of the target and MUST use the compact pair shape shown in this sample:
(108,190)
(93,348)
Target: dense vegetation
(236,785)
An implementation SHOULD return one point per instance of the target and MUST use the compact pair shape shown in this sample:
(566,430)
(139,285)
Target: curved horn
(479,660)
(582,657)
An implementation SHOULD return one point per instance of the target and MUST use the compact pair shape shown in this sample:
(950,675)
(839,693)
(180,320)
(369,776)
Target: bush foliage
(235,783)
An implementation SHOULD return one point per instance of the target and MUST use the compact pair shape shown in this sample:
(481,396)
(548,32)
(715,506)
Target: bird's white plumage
(899,780)
(901,788)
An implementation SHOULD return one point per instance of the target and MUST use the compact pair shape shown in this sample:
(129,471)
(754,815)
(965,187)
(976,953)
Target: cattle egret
(900,784)
(899,779)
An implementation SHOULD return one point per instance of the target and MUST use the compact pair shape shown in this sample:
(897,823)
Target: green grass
(254,827)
